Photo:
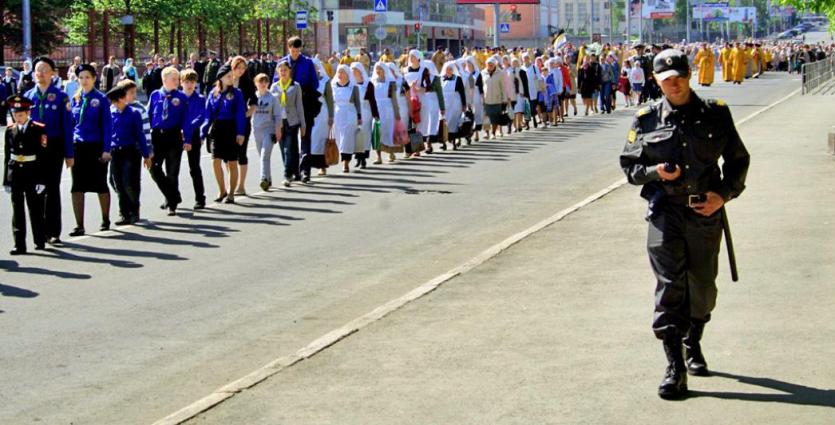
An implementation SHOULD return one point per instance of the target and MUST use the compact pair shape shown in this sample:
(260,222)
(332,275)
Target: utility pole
(27,30)
(641,21)
(688,22)
(496,13)
(591,21)
(628,20)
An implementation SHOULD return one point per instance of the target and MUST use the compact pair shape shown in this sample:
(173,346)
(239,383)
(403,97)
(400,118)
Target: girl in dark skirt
(91,143)
(225,127)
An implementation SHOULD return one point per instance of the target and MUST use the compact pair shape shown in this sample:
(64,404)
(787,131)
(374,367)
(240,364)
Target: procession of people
(318,111)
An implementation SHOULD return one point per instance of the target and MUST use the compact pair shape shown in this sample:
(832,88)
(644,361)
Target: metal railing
(816,74)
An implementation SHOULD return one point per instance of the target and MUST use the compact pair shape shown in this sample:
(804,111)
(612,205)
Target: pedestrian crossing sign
(381,6)
(504,28)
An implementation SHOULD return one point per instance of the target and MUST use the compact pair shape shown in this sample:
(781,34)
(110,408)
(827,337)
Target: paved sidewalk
(557,329)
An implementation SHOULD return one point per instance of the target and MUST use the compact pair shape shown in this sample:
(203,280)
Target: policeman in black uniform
(672,150)
(25,146)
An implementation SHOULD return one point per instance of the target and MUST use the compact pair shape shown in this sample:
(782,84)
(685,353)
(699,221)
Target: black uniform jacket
(694,137)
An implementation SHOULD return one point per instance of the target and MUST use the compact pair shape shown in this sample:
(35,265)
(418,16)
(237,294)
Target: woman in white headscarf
(469,89)
(346,116)
(323,122)
(455,98)
(433,105)
(415,81)
(478,95)
(402,93)
(385,95)
(368,111)
(520,86)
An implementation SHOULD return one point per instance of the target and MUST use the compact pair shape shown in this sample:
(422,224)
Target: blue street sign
(381,5)
(504,28)
(301,20)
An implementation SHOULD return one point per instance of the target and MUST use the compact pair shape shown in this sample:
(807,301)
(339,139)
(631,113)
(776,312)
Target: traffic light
(417,26)
(330,16)
(514,16)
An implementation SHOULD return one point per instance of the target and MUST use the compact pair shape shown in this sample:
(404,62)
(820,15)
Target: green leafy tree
(47,31)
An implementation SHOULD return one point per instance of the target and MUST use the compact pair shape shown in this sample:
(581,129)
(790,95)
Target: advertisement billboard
(652,9)
(711,12)
(742,14)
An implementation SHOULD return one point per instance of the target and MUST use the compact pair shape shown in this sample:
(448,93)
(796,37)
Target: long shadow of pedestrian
(14,291)
(207,230)
(67,255)
(793,393)
(122,252)
(299,200)
(14,267)
(138,237)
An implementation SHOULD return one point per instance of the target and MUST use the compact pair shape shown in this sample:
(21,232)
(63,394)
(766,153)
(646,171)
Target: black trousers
(125,176)
(25,196)
(168,153)
(684,253)
(53,168)
(194,168)
(312,106)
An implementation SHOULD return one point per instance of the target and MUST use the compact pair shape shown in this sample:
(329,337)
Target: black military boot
(674,384)
(696,364)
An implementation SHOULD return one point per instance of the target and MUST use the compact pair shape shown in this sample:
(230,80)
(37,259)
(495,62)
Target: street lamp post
(27,30)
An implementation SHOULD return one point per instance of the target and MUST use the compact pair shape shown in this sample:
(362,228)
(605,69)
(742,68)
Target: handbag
(331,150)
(527,110)
(401,136)
(415,103)
(359,140)
(443,132)
(375,135)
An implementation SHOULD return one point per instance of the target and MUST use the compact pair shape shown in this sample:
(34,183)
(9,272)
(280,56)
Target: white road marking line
(318,345)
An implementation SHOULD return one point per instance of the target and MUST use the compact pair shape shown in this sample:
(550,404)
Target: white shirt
(637,75)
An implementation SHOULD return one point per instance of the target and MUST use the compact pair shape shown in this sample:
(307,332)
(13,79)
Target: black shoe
(172,212)
(54,241)
(40,247)
(674,384)
(123,221)
(199,205)
(105,225)
(306,179)
(78,231)
(695,359)
(18,251)
(164,206)
(134,219)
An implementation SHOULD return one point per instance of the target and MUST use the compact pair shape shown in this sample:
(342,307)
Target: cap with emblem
(223,70)
(19,103)
(670,63)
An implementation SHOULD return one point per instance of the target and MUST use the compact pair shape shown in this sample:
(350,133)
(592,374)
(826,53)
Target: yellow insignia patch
(642,112)
(721,102)
(632,136)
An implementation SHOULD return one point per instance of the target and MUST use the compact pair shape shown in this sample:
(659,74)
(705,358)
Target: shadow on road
(14,291)
(13,267)
(793,393)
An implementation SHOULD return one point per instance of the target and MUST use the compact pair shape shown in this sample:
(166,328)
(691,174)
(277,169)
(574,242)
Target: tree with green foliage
(47,31)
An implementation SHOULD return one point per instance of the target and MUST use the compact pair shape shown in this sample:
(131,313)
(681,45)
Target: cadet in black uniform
(672,150)
(22,177)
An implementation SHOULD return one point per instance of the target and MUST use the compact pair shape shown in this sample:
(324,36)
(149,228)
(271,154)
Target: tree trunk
(91,36)
(171,37)
(201,37)
(156,35)
(240,39)
(105,36)
(180,53)
(284,36)
(258,36)
(221,51)
(267,30)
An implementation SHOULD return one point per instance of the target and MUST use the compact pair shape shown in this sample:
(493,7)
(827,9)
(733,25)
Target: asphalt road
(133,324)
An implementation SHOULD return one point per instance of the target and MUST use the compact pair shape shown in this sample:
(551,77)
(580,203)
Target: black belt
(685,200)
(168,130)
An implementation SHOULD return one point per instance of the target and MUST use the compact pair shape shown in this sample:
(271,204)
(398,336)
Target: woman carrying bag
(323,123)
(368,111)
(385,95)
(347,116)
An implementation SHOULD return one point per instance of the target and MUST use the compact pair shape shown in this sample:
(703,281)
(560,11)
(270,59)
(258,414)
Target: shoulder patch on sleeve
(643,111)
(632,136)
(720,102)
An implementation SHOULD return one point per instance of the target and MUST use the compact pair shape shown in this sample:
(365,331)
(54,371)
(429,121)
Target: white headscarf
(347,70)
(449,65)
(323,75)
(461,64)
(387,77)
(427,64)
(359,67)
(471,59)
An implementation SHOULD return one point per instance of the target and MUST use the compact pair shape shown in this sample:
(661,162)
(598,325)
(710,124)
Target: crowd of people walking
(317,111)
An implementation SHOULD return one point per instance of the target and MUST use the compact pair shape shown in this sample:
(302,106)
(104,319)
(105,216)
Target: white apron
(430,114)
(386,110)
(319,133)
(365,145)
(401,103)
(478,105)
(452,101)
(344,119)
